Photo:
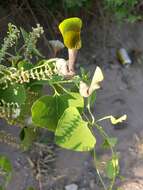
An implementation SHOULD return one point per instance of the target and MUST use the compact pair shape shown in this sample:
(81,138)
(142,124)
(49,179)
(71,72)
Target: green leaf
(55,79)
(47,110)
(25,34)
(74,100)
(5,164)
(36,88)
(84,75)
(14,93)
(27,137)
(37,52)
(110,142)
(112,168)
(26,65)
(31,188)
(1,188)
(92,99)
(73,133)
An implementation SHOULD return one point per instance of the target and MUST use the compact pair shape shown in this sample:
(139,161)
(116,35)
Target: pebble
(93,185)
(71,187)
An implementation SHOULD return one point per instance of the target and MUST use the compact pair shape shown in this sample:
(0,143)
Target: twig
(39,175)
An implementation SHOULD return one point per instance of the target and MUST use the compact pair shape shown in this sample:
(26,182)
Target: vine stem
(105,135)
(93,123)
(66,91)
(94,153)
(92,116)
(62,82)
(39,176)
(98,173)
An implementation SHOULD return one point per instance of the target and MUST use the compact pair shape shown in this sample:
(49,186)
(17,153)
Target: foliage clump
(123,9)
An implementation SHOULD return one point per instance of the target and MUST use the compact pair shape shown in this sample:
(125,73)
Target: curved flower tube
(70,29)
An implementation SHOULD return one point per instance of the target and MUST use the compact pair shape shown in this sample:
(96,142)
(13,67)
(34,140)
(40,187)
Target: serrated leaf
(47,110)
(25,34)
(73,133)
(37,52)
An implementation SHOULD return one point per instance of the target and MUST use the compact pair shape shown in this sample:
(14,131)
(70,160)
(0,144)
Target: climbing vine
(66,111)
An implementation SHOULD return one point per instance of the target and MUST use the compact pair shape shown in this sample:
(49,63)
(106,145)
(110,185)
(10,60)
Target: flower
(96,79)
(83,89)
(86,90)
(70,29)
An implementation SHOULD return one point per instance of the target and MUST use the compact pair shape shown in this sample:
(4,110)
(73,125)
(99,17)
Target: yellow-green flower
(70,29)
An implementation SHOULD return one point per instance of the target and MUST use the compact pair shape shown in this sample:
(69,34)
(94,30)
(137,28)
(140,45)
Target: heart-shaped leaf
(47,110)
(73,133)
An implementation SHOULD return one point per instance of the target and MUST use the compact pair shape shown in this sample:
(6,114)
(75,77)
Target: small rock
(93,185)
(71,187)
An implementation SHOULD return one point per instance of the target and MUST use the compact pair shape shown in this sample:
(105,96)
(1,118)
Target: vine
(67,112)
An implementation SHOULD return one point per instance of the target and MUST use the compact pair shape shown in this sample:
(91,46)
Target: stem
(94,154)
(72,58)
(9,54)
(39,176)
(62,82)
(100,178)
(63,89)
(112,183)
(92,116)
(56,92)
(105,136)
(89,110)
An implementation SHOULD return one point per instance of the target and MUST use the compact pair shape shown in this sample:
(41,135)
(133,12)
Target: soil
(121,92)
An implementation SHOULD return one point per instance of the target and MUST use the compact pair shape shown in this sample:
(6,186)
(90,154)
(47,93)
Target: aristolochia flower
(86,90)
(83,89)
(70,29)
(97,78)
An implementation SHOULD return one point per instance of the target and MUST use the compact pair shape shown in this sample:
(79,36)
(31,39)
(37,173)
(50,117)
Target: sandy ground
(122,92)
